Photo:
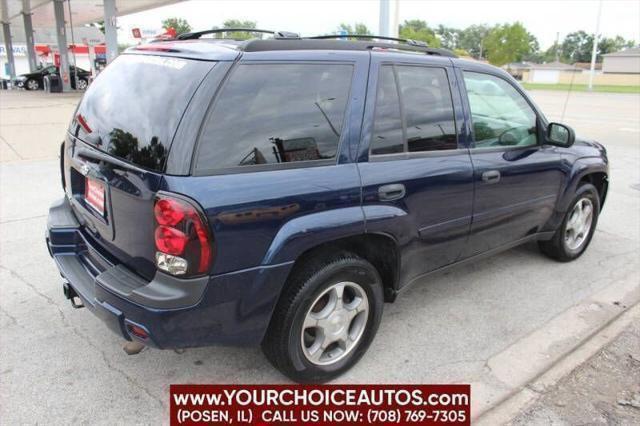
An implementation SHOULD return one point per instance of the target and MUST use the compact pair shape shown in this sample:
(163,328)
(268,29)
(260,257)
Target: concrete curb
(514,377)
(520,401)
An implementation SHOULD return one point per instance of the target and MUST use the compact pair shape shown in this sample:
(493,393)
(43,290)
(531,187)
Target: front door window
(500,114)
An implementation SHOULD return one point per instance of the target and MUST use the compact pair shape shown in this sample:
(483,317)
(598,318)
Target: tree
(448,37)
(507,43)
(179,24)
(461,52)
(417,29)
(577,47)
(534,54)
(240,35)
(610,45)
(358,28)
(552,54)
(236,23)
(98,24)
(472,38)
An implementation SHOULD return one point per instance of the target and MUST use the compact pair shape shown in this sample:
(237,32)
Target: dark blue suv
(279,191)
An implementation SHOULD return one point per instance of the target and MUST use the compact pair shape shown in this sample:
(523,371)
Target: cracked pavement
(468,325)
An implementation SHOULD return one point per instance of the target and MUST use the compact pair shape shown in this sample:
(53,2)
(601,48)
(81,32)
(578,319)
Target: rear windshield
(133,108)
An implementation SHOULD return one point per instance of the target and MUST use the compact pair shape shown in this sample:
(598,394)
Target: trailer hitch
(71,294)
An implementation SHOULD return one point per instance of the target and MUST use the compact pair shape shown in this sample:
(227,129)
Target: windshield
(133,108)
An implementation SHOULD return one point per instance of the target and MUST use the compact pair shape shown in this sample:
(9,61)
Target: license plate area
(94,195)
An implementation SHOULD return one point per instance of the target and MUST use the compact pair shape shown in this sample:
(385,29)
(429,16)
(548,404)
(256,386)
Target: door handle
(492,176)
(391,192)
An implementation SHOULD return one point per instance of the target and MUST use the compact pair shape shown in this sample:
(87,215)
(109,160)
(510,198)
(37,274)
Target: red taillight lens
(182,233)
(168,212)
(170,240)
(137,331)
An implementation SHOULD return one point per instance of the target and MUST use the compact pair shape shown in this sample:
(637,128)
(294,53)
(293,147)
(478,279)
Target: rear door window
(133,108)
(414,111)
(428,108)
(269,114)
(388,137)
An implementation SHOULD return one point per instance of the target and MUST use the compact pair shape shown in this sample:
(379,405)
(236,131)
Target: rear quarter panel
(260,218)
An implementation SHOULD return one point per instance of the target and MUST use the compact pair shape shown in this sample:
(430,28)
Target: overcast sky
(543,18)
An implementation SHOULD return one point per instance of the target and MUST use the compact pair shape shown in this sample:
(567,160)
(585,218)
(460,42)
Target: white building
(623,62)
(549,73)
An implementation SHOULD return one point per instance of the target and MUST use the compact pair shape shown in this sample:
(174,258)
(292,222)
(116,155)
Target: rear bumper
(233,308)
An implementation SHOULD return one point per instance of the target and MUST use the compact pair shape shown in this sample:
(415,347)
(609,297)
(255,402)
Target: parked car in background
(35,80)
(277,192)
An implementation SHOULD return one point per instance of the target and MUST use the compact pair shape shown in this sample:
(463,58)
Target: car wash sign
(18,50)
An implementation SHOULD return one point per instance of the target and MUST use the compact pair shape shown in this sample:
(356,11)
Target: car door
(516,177)
(413,165)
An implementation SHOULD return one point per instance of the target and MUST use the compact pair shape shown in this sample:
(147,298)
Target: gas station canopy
(82,11)
(29,20)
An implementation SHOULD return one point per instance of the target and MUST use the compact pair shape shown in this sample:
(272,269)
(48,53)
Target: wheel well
(600,181)
(379,250)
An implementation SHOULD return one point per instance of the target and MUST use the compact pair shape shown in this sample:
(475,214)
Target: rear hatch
(115,152)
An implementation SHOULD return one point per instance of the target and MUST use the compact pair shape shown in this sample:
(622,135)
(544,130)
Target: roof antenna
(593,61)
(566,101)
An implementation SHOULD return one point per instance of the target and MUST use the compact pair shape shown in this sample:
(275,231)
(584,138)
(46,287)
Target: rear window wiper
(101,156)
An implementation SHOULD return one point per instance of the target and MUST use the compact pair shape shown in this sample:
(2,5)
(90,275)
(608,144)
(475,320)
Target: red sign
(171,32)
(320,404)
(136,33)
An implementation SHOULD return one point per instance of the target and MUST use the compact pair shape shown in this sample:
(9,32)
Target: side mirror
(560,135)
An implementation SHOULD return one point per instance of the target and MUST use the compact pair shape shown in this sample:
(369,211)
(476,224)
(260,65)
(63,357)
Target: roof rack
(381,42)
(276,34)
(371,37)
(257,45)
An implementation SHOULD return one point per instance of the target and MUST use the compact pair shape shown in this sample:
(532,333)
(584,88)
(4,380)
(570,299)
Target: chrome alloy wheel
(579,224)
(335,323)
(82,84)
(33,85)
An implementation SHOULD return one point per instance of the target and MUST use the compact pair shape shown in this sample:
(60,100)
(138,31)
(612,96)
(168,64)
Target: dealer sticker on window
(94,195)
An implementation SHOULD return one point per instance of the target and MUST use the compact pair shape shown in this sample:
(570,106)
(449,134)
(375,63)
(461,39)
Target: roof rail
(276,34)
(371,37)
(379,42)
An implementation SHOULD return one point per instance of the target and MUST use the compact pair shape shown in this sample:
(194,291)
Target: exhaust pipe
(133,347)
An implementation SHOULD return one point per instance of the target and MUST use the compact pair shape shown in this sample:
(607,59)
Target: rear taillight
(183,241)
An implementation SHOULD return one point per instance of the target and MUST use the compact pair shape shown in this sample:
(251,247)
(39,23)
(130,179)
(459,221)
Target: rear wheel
(579,224)
(326,318)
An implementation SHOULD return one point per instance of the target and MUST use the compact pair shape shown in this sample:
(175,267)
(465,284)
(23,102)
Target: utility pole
(594,52)
(395,20)
(557,47)
(385,10)
(388,18)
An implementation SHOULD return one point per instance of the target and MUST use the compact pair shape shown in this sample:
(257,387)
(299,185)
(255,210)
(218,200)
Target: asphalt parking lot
(496,323)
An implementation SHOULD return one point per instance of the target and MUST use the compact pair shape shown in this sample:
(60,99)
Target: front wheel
(32,84)
(326,318)
(577,228)
(82,84)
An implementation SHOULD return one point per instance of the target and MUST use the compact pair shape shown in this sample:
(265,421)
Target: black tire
(32,84)
(557,247)
(82,84)
(282,344)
